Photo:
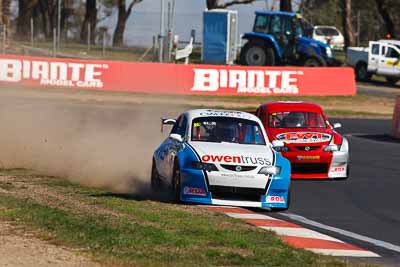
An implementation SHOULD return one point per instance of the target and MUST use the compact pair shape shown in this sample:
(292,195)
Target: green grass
(149,233)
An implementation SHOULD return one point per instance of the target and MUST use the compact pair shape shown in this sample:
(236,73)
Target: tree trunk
(285,5)
(24,18)
(384,13)
(1,12)
(347,23)
(118,38)
(6,12)
(90,17)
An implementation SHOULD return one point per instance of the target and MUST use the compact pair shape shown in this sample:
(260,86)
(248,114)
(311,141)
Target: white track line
(375,242)
(300,232)
(250,216)
(343,252)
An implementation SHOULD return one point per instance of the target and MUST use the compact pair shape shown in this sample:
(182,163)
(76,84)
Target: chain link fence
(144,40)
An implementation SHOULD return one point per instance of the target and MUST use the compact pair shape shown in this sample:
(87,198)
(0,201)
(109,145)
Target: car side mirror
(176,137)
(167,122)
(278,144)
(337,125)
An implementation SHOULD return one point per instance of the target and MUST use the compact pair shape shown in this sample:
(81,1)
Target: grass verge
(128,230)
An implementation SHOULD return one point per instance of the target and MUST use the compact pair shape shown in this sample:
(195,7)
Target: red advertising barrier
(396,119)
(176,78)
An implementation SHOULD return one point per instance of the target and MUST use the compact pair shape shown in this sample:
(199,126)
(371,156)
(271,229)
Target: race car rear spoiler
(165,121)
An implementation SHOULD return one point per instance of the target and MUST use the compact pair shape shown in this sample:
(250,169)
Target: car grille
(303,148)
(236,193)
(243,168)
(305,168)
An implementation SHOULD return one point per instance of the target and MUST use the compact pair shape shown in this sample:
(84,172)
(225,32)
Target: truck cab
(281,38)
(380,58)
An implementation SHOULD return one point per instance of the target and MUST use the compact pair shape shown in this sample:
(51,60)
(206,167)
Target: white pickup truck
(381,58)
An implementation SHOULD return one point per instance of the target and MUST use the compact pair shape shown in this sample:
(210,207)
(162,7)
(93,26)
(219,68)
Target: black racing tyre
(176,184)
(362,74)
(314,61)
(392,80)
(348,171)
(257,53)
(155,179)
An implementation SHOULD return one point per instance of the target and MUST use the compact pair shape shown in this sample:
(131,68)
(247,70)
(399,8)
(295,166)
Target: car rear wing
(165,121)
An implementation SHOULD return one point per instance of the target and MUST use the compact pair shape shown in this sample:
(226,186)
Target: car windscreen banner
(176,78)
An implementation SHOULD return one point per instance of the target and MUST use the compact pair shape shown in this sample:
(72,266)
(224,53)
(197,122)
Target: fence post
(3,42)
(104,43)
(58,24)
(154,48)
(32,33)
(88,37)
(162,32)
(54,42)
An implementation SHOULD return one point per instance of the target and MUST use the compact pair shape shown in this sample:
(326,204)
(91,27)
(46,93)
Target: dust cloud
(100,144)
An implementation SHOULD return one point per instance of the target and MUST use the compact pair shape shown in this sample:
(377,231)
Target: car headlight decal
(204,166)
(274,170)
(332,146)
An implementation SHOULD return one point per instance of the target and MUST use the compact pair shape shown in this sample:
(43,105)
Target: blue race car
(224,158)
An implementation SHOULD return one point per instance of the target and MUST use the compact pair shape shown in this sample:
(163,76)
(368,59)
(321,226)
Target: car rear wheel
(155,179)
(257,54)
(176,184)
(362,72)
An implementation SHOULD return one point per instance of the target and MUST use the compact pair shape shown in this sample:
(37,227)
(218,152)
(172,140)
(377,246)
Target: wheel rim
(255,56)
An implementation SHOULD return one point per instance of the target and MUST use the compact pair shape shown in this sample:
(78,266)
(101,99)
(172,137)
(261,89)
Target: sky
(144,22)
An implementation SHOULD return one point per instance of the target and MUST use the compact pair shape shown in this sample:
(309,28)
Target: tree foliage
(214,4)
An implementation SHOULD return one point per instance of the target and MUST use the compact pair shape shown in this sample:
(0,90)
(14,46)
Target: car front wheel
(155,178)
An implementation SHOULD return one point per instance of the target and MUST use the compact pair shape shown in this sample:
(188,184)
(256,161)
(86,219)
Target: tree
(123,15)
(90,17)
(25,13)
(213,4)
(383,9)
(347,23)
(6,18)
(1,12)
(285,5)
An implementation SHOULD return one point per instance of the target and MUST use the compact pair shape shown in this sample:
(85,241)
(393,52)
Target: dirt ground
(23,249)
(378,100)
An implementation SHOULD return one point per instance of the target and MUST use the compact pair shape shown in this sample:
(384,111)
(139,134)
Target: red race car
(313,147)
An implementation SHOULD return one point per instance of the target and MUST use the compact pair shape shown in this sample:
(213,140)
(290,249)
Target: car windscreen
(225,129)
(327,31)
(296,119)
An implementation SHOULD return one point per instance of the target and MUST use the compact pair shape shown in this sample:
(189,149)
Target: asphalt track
(366,204)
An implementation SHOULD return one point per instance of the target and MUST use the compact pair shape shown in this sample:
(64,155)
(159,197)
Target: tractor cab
(280,38)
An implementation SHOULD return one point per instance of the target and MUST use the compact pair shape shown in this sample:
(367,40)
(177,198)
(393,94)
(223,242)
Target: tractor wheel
(257,54)
(362,74)
(314,61)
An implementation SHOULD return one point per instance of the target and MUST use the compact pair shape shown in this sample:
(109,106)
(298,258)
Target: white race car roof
(198,113)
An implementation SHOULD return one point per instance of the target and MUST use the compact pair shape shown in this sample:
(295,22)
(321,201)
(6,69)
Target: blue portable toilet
(220,35)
